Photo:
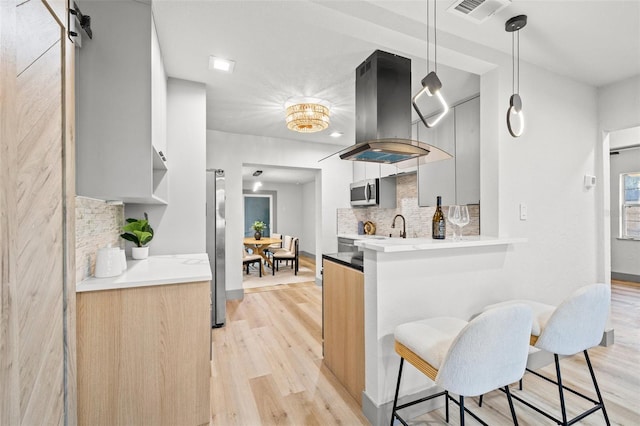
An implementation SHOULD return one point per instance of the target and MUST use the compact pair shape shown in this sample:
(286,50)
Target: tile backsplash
(418,218)
(98,224)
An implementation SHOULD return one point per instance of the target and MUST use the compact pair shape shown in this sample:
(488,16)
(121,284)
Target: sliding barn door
(37,329)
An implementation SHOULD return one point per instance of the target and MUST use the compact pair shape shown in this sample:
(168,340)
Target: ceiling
(312,47)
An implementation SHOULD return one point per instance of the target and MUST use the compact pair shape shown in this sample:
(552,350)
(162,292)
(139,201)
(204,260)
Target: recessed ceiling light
(220,64)
(336,134)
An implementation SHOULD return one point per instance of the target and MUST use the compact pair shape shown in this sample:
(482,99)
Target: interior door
(36,161)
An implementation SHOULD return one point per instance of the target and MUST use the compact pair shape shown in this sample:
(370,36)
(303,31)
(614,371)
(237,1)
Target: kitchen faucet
(403,234)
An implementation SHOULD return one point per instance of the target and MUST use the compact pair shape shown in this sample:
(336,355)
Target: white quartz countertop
(155,270)
(388,245)
(362,237)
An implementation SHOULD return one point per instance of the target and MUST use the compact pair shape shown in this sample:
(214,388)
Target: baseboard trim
(307,254)
(625,277)
(607,337)
(381,415)
(235,294)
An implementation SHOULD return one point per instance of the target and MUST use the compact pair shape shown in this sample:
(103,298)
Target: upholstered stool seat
(466,358)
(574,326)
(431,338)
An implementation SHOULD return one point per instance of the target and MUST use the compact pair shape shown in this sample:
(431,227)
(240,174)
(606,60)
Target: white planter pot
(139,252)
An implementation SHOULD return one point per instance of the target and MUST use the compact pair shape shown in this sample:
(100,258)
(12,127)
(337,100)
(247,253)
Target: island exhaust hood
(383,114)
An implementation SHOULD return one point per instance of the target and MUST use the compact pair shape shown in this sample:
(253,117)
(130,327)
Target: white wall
(545,169)
(308,238)
(625,254)
(228,151)
(179,226)
(619,104)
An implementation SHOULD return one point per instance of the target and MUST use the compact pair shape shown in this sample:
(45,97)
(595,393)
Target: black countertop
(350,259)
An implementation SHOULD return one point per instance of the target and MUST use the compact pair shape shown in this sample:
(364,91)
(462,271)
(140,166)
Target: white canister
(108,262)
(123,260)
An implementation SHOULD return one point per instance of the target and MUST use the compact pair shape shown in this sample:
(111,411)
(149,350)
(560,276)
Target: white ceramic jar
(108,262)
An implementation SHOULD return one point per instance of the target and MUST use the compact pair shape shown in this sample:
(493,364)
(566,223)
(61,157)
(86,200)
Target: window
(630,208)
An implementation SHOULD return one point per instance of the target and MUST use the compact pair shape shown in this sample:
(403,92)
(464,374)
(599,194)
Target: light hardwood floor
(267,368)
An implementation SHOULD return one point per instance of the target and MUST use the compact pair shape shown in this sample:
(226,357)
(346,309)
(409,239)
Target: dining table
(259,247)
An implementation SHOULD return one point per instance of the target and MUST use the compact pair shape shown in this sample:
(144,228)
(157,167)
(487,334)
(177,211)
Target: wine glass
(463,219)
(454,217)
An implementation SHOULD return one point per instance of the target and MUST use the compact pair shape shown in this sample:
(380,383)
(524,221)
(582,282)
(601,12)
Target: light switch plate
(589,181)
(523,211)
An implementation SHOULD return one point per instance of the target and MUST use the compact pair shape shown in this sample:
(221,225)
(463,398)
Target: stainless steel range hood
(383,114)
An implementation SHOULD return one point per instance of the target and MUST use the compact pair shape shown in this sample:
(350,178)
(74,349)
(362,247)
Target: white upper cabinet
(457,180)
(121,91)
(468,152)
(438,178)
(363,170)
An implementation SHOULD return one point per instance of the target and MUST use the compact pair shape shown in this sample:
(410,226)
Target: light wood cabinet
(457,180)
(122,92)
(343,325)
(143,355)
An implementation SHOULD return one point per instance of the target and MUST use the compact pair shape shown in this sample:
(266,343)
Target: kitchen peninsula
(409,279)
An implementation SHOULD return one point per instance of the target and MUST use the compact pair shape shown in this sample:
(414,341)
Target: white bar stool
(466,358)
(576,325)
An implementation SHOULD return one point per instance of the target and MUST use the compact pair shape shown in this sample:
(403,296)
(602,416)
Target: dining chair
(466,358)
(287,255)
(248,259)
(574,326)
(275,246)
(285,246)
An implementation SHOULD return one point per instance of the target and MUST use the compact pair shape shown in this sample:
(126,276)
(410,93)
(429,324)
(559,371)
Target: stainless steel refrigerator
(216,225)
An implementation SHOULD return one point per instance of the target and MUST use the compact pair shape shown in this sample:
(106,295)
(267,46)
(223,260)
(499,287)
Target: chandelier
(307,117)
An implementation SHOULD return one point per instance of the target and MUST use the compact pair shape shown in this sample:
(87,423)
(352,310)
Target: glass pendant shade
(307,117)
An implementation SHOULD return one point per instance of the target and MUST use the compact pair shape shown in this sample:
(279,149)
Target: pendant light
(431,84)
(515,115)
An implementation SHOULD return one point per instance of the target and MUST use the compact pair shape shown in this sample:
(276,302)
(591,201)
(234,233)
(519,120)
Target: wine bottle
(438,224)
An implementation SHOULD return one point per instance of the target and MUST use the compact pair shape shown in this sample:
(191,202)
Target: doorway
(624,203)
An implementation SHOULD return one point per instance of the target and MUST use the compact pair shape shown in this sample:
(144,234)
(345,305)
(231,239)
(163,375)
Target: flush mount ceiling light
(431,84)
(220,64)
(515,116)
(336,134)
(308,115)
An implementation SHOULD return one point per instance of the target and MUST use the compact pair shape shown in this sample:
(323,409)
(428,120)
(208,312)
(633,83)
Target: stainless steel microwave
(365,193)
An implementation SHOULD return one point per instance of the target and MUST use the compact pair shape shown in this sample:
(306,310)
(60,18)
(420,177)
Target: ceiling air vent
(477,10)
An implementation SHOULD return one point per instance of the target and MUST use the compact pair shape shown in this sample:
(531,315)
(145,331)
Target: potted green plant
(139,232)
(258,226)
